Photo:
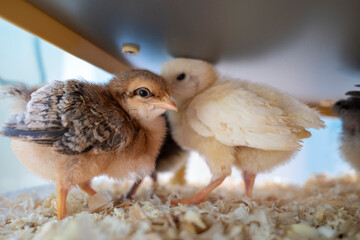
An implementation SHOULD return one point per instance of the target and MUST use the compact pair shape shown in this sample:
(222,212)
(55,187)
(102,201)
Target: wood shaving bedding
(323,208)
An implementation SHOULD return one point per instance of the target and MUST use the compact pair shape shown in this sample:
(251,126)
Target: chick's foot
(202,195)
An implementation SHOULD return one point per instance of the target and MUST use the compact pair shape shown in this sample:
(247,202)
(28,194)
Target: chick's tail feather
(20,93)
(38,136)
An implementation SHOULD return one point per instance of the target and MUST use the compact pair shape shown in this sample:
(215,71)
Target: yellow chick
(73,131)
(248,125)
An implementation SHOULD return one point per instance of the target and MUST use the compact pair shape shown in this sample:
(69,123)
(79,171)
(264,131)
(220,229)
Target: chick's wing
(73,117)
(239,117)
(299,113)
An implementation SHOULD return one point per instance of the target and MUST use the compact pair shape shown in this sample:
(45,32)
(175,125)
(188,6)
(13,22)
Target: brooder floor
(323,208)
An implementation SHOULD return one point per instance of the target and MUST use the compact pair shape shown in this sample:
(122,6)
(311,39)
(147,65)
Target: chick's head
(187,77)
(143,94)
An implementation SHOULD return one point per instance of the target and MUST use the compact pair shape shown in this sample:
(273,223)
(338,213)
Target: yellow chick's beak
(166,103)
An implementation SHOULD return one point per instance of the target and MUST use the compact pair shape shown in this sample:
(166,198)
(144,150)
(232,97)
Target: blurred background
(29,60)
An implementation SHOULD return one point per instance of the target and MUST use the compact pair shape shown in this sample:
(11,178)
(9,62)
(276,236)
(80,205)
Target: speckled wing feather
(73,117)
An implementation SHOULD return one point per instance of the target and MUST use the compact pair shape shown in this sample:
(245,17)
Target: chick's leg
(136,185)
(179,176)
(133,189)
(202,195)
(219,158)
(154,176)
(61,193)
(86,187)
(249,179)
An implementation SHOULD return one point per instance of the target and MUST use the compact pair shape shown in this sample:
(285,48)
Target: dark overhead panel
(308,48)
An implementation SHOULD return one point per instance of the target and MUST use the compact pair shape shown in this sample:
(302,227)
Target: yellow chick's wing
(236,116)
(300,114)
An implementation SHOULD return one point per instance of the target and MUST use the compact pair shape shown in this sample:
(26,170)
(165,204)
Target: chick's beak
(165,103)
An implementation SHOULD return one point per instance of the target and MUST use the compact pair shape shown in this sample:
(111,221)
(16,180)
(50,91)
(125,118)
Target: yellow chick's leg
(179,176)
(249,179)
(86,187)
(61,193)
(202,195)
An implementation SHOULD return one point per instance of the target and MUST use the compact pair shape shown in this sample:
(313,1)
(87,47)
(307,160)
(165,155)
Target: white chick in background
(230,122)
(349,112)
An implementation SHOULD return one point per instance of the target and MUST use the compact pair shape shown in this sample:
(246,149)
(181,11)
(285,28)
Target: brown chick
(73,131)
(171,158)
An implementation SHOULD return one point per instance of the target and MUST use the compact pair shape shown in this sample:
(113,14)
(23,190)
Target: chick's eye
(142,92)
(181,76)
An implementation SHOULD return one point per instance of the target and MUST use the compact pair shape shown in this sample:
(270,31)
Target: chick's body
(234,123)
(349,112)
(73,131)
